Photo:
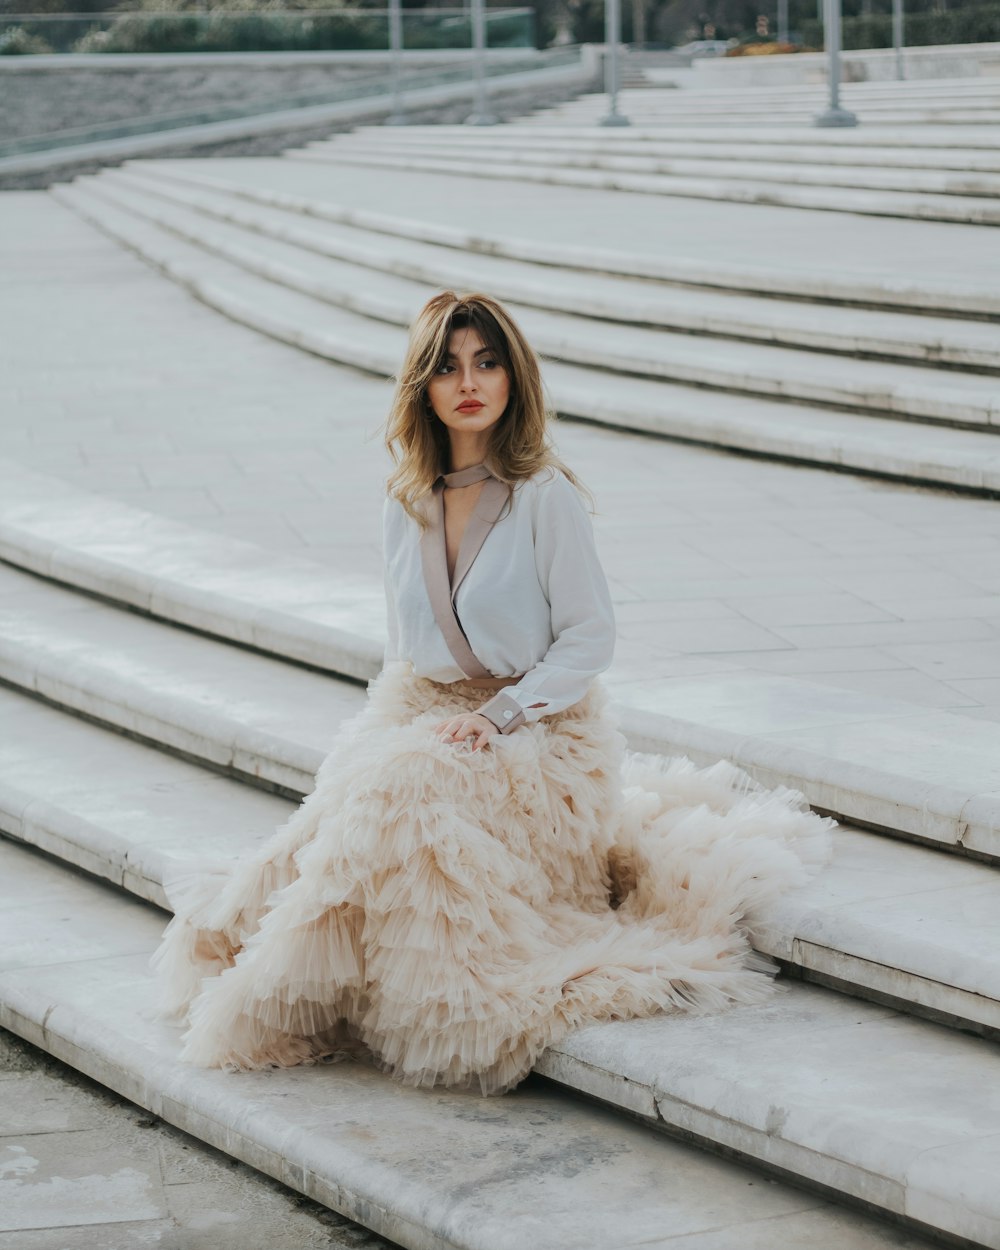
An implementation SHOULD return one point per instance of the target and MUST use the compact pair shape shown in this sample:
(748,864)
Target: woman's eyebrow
(483,351)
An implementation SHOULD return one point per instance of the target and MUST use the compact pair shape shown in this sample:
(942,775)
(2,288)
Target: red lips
(470,405)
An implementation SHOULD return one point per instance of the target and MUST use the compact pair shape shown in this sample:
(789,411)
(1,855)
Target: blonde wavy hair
(416,438)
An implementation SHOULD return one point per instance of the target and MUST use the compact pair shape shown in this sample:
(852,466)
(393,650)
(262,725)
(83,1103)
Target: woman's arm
(583,623)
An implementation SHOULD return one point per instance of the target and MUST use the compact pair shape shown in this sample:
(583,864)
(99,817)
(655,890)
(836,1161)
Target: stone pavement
(728,574)
(778,240)
(126,386)
(83,1169)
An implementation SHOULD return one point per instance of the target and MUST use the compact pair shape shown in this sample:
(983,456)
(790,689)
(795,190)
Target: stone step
(956,457)
(974,92)
(754,107)
(957,277)
(885,388)
(243,713)
(645,109)
(886,920)
(555,154)
(539,1167)
(888,1109)
(628,302)
(842,144)
(933,776)
(969,210)
(886,155)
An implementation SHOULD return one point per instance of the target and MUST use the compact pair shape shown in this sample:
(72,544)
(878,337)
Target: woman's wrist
(503,712)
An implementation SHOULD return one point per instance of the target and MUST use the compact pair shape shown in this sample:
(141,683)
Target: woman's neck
(467,450)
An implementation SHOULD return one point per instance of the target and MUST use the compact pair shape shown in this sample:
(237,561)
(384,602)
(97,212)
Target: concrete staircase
(140,733)
(925,150)
(946,102)
(659,348)
(167,694)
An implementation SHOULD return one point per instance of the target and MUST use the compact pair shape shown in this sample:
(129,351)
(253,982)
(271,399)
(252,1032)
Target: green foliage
(874,30)
(18,41)
(174,26)
(219,31)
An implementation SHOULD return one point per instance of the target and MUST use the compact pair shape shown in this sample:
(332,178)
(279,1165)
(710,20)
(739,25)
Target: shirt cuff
(504,712)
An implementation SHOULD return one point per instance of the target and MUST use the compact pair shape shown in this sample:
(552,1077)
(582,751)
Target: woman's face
(470,390)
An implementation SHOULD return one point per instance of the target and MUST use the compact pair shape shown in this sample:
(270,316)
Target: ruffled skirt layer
(453,913)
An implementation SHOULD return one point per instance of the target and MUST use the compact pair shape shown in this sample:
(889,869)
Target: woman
(481,866)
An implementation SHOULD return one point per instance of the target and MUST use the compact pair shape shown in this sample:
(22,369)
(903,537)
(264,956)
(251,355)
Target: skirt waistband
(484,683)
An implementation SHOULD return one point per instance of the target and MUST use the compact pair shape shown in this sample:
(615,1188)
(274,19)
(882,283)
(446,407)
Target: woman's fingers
(460,728)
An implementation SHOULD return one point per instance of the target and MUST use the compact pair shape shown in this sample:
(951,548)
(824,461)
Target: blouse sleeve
(583,621)
(391,611)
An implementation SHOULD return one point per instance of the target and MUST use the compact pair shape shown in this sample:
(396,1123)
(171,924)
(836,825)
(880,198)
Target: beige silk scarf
(434,559)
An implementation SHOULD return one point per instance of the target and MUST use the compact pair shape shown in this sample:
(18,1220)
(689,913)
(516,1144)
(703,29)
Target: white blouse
(534,601)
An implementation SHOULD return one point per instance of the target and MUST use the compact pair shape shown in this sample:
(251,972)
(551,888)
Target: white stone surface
(827,436)
(670,241)
(775,107)
(874,65)
(965,151)
(431,1170)
(878,761)
(115,807)
(969,210)
(211,582)
(245,438)
(889,175)
(97,1173)
(872,386)
(838,1091)
(886,917)
(227,706)
(603,296)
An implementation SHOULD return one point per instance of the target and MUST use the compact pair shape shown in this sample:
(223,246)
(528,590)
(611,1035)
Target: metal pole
(482,115)
(897,37)
(639,23)
(834,115)
(397,116)
(612,38)
(782,21)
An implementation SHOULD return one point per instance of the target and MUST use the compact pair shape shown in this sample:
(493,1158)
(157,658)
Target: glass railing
(265,30)
(368,86)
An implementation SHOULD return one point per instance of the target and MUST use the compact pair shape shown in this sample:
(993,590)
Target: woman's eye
(445,368)
(488,364)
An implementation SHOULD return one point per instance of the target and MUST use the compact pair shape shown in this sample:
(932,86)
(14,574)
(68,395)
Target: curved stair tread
(431,1171)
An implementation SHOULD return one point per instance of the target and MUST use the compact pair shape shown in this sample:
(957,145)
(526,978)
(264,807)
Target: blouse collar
(467,477)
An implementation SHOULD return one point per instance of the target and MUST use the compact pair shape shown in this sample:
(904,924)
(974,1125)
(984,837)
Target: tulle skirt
(449,914)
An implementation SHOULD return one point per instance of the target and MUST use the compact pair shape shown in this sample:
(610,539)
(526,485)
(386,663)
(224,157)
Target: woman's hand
(471,725)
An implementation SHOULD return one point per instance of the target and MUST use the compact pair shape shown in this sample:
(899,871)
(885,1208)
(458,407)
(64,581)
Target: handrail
(369,86)
(114,14)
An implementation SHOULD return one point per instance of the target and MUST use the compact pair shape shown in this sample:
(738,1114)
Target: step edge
(137,868)
(66,1034)
(756,434)
(755,281)
(894,348)
(955,818)
(930,401)
(160,1085)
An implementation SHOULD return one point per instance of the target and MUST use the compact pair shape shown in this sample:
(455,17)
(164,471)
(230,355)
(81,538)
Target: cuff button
(508,714)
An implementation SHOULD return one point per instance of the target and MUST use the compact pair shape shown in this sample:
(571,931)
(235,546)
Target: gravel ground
(82,1169)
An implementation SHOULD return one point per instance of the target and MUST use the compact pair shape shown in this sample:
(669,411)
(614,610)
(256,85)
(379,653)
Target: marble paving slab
(433,1170)
(878,761)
